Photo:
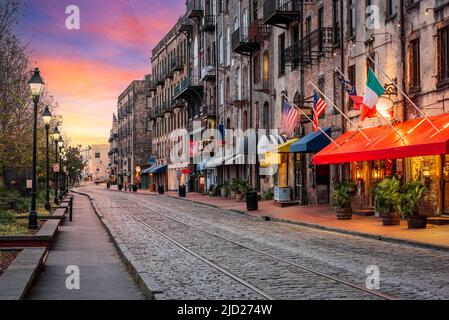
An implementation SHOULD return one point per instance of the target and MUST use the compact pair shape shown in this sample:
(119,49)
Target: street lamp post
(36,85)
(47,119)
(61,176)
(56,135)
(60,145)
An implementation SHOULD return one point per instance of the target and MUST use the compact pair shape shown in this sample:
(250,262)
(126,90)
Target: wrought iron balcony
(194,9)
(208,23)
(190,86)
(241,42)
(166,73)
(312,46)
(177,65)
(185,24)
(159,80)
(249,39)
(208,73)
(282,12)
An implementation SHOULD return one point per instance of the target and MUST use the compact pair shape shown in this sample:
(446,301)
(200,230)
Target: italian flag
(374,90)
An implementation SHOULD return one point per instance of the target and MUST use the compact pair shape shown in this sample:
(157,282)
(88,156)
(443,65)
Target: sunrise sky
(85,70)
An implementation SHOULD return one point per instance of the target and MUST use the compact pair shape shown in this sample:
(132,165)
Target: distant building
(133,133)
(96,161)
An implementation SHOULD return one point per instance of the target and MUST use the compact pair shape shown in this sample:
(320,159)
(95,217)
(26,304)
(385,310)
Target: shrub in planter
(388,200)
(268,195)
(341,199)
(239,187)
(412,193)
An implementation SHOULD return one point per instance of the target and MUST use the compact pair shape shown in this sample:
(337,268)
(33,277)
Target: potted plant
(412,194)
(224,190)
(341,199)
(388,200)
(239,187)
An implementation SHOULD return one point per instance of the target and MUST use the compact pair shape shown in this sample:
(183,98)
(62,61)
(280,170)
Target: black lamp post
(61,181)
(46,116)
(55,136)
(61,147)
(36,85)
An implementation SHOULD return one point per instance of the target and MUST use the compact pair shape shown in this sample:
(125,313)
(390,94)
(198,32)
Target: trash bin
(182,191)
(251,201)
(160,189)
(108,185)
(134,187)
(120,187)
(152,187)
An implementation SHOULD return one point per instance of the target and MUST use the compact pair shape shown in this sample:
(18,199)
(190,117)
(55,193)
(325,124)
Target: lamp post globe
(56,135)
(46,117)
(36,85)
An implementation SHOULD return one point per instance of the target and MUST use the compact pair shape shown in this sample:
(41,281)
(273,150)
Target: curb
(147,285)
(315,226)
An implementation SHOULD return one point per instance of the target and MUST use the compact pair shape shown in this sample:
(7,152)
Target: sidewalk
(323,216)
(85,243)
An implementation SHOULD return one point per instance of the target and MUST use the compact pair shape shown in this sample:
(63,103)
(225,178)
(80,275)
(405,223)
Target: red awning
(419,139)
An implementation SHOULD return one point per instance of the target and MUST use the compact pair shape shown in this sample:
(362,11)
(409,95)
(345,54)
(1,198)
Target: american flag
(318,109)
(290,116)
(350,89)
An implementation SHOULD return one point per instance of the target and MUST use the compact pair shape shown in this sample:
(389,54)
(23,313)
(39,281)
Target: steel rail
(321,274)
(205,260)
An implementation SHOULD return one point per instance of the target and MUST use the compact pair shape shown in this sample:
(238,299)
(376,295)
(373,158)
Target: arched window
(266,69)
(228,123)
(245,83)
(228,88)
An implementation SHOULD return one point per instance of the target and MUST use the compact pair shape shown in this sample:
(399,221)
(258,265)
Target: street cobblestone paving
(406,272)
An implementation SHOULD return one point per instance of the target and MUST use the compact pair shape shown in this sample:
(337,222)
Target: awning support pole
(343,114)
(305,115)
(378,113)
(403,93)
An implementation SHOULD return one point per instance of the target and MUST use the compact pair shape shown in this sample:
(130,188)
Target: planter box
(417,222)
(344,213)
(19,277)
(391,220)
(43,238)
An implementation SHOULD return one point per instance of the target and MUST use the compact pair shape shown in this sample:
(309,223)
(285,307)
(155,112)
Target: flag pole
(319,128)
(380,115)
(404,94)
(342,113)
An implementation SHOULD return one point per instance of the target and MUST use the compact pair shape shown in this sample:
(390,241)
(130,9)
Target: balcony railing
(315,44)
(282,11)
(241,42)
(208,73)
(208,23)
(185,24)
(177,65)
(189,83)
(194,9)
(166,73)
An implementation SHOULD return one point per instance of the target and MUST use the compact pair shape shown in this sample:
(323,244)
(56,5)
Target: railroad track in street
(186,242)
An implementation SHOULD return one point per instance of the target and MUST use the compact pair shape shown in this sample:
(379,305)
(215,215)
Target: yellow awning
(285,147)
(271,159)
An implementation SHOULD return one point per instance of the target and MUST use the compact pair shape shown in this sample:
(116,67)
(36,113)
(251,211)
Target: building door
(322,184)
(446,185)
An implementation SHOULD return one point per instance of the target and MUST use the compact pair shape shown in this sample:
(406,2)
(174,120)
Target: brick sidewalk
(86,244)
(323,216)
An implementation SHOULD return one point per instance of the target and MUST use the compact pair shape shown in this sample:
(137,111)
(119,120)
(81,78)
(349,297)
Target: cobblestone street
(194,251)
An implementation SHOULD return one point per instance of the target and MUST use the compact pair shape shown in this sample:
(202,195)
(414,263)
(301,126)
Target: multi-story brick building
(245,59)
(134,135)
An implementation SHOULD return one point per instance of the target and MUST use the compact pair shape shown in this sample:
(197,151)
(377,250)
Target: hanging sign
(29,184)
(56,167)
